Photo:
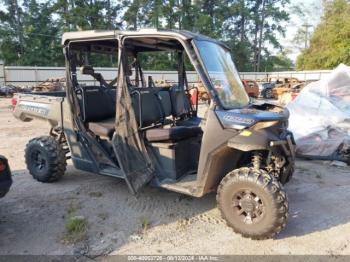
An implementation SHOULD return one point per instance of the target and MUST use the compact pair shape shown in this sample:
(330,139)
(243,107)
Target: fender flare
(257,140)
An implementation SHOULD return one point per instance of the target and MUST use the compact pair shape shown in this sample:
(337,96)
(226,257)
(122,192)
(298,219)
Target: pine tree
(330,42)
(11,32)
(31,30)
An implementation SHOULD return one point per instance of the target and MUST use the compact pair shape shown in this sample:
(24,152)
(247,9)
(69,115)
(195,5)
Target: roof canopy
(114,34)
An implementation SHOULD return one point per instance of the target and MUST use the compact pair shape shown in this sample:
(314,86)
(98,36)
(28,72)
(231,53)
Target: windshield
(223,74)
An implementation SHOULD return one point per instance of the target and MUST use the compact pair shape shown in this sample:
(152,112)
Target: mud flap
(128,144)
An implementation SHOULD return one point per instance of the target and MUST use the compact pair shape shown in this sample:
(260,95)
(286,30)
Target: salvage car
(251,87)
(267,90)
(7,90)
(131,129)
(5,176)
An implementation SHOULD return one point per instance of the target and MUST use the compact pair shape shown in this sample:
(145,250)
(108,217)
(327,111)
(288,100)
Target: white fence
(29,76)
(301,75)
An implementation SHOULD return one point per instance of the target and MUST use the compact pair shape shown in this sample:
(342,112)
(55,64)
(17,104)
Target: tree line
(330,43)
(30,31)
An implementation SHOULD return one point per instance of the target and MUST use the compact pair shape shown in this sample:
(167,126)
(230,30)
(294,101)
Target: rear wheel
(45,159)
(253,203)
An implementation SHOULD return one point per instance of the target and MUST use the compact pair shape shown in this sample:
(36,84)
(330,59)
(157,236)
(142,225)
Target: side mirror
(87,70)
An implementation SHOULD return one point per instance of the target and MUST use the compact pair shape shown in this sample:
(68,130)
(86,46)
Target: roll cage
(183,37)
(127,142)
(128,131)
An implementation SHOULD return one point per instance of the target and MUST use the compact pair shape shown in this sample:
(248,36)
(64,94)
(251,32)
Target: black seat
(180,103)
(165,101)
(97,107)
(96,104)
(147,107)
(172,134)
(157,105)
(151,107)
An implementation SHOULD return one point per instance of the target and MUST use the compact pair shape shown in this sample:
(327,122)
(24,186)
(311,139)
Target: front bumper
(5,187)
(288,145)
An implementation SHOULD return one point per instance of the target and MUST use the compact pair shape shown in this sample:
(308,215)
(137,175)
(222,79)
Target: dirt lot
(33,214)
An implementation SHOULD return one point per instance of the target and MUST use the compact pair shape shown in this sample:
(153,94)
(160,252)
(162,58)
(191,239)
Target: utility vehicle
(131,129)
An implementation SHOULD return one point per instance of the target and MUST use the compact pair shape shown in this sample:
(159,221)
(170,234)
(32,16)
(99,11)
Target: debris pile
(162,83)
(8,90)
(283,89)
(320,118)
(50,85)
(202,92)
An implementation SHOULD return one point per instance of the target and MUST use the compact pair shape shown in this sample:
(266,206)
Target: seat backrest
(179,102)
(96,104)
(165,101)
(146,106)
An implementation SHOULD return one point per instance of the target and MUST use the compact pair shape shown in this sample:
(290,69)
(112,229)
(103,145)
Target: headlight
(263,125)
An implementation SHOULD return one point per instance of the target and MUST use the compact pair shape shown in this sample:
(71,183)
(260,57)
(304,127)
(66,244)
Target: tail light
(14,103)
(2,165)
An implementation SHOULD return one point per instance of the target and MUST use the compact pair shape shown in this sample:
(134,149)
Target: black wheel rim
(38,160)
(248,206)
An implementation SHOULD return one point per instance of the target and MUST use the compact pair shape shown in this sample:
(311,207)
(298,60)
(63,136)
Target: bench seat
(106,127)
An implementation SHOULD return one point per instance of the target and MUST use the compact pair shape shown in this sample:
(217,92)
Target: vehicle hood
(248,117)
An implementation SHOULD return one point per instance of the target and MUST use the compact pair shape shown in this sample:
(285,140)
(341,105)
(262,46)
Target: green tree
(133,16)
(30,30)
(330,42)
(41,38)
(267,16)
(279,62)
(237,21)
(11,31)
(29,34)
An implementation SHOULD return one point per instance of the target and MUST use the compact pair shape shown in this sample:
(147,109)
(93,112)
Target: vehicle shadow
(318,199)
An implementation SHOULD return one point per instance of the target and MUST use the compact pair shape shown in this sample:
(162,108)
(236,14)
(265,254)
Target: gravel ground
(33,214)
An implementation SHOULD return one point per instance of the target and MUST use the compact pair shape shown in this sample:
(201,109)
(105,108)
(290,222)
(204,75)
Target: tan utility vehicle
(131,129)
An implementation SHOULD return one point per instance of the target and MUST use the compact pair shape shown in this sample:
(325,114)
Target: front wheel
(253,203)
